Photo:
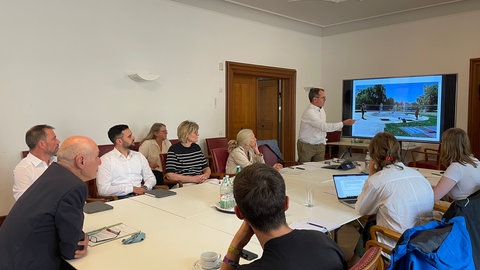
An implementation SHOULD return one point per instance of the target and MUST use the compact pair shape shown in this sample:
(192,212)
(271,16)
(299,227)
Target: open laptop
(348,187)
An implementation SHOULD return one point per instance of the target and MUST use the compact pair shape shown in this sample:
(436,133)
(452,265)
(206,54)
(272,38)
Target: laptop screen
(349,186)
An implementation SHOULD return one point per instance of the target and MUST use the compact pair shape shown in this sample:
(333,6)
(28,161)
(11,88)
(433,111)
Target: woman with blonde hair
(399,196)
(244,151)
(462,176)
(185,159)
(154,144)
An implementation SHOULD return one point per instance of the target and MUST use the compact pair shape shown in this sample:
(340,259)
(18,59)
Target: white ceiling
(327,17)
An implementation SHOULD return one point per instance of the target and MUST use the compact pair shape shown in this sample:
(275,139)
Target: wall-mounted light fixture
(142,77)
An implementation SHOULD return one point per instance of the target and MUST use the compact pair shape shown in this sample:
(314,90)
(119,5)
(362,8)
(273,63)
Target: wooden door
(242,104)
(474,107)
(267,109)
(243,108)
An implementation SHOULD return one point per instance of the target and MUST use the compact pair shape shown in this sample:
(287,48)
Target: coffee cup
(210,260)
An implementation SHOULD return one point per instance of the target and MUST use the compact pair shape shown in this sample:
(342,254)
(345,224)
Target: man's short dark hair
(314,92)
(259,191)
(115,132)
(36,134)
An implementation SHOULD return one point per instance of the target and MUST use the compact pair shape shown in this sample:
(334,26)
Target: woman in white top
(154,144)
(399,196)
(244,151)
(462,177)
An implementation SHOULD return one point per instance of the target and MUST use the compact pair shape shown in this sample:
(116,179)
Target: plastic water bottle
(367,162)
(227,201)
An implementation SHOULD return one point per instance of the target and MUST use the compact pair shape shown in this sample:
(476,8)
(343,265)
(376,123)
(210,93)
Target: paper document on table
(215,181)
(313,224)
(109,233)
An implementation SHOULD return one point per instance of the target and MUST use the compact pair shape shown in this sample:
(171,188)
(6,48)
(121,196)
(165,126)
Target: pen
(112,231)
(319,226)
(300,168)
(436,174)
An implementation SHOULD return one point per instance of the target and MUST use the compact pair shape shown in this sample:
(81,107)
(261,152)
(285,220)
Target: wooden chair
(163,160)
(377,230)
(431,159)
(371,260)
(333,136)
(93,193)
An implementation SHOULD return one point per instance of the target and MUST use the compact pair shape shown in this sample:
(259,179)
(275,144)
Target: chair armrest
(441,206)
(373,243)
(102,198)
(160,187)
(290,163)
(386,232)
(96,200)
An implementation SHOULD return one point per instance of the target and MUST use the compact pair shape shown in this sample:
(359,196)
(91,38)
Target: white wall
(431,46)
(65,63)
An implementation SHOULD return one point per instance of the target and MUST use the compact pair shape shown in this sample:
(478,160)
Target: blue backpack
(434,245)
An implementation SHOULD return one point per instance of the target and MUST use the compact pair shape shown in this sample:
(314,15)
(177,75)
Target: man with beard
(123,173)
(43,146)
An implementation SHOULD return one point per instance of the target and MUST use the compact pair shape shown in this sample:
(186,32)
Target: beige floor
(347,239)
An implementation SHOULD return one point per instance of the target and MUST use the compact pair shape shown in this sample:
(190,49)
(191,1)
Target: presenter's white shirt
(314,126)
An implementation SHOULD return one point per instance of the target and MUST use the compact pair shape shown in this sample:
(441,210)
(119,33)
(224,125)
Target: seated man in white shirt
(43,146)
(123,172)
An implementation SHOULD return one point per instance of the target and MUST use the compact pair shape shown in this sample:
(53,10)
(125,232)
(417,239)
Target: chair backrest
(163,160)
(372,259)
(219,159)
(334,136)
(174,141)
(431,159)
(268,155)
(104,148)
(218,142)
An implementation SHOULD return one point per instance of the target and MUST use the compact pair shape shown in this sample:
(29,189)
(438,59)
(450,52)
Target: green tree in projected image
(429,98)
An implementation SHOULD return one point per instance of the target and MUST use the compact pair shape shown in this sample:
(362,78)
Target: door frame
(288,76)
(473,129)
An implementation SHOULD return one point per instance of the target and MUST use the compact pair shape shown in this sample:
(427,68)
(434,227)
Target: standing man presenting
(314,127)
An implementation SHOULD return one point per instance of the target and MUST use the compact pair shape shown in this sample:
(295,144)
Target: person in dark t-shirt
(259,192)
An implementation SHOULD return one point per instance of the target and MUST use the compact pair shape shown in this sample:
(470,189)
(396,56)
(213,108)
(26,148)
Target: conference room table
(179,228)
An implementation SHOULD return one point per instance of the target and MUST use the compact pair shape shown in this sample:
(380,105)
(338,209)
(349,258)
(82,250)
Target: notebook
(348,187)
(159,193)
(94,207)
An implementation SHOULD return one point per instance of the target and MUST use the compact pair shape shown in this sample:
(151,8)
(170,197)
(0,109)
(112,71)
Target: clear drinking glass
(309,197)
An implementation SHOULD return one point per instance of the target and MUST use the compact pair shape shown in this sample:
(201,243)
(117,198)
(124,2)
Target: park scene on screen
(407,107)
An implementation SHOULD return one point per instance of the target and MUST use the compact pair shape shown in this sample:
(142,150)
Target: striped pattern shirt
(186,160)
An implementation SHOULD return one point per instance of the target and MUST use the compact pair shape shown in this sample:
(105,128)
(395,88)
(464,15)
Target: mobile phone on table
(248,255)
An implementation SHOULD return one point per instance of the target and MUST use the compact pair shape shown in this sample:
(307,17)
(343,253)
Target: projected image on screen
(405,107)
(412,108)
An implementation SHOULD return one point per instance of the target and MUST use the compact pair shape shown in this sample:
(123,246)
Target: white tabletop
(179,228)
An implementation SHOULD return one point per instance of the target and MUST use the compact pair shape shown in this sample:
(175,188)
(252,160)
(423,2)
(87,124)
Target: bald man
(44,226)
